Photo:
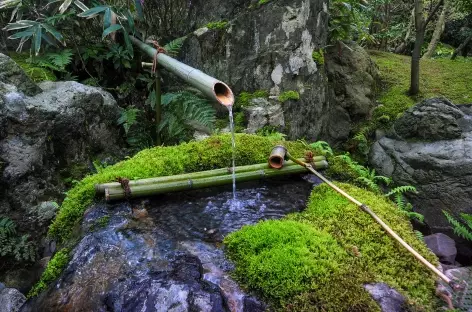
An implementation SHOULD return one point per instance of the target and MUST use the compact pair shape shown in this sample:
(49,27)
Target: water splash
(233,141)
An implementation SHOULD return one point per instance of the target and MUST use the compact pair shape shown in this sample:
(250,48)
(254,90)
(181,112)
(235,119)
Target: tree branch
(433,12)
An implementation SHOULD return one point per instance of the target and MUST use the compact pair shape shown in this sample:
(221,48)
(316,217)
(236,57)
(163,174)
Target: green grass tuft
(289,95)
(279,260)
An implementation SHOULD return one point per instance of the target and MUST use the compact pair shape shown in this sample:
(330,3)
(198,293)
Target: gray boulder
(388,298)
(11,300)
(353,79)
(42,134)
(443,247)
(440,170)
(431,120)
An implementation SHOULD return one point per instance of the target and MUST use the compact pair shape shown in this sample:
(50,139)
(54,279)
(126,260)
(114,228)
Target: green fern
(7,226)
(20,248)
(322,147)
(419,235)
(402,190)
(464,231)
(173,47)
(128,118)
(369,183)
(61,59)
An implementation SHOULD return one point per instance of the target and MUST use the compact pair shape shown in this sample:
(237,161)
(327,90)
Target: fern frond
(400,201)
(7,226)
(415,215)
(402,190)
(419,235)
(458,228)
(128,118)
(61,59)
(322,147)
(173,47)
(383,179)
(369,183)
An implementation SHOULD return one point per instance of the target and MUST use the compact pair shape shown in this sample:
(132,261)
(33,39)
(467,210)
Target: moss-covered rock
(212,153)
(361,253)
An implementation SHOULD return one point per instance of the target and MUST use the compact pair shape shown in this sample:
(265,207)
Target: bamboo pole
(365,208)
(191,184)
(100,188)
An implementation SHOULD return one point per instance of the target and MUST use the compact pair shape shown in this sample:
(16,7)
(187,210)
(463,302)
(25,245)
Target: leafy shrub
(12,245)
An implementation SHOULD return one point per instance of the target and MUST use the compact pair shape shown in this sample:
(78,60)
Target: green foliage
(280,259)
(128,118)
(61,59)
(12,245)
(36,72)
(244,98)
(289,95)
(401,190)
(262,2)
(271,131)
(461,228)
(318,57)
(348,21)
(53,270)
(217,25)
(361,253)
(321,147)
(215,152)
(173,47)
(239,122)
(405,207)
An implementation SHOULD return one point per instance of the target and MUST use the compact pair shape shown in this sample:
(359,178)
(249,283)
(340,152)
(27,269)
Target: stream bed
(165,253)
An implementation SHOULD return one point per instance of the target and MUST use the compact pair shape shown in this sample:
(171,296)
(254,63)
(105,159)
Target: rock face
(352,77)
(264,112)
(441,170)
(44,129)
(11,300)
(443,247)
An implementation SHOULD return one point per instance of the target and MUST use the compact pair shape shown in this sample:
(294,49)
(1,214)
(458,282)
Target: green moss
(262,2)
(281,258)
(53,270)
(318,57)
(102,222)
(211,153)
(289,95)
(438,77)
(217,25)
(36,73)
(363,253)
(221,123)
(244,98)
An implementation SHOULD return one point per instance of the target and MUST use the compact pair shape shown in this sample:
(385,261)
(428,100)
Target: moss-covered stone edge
(369,255)
(212,153)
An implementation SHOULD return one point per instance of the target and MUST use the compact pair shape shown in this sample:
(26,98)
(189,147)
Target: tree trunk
(437,31)
(462,46)
(415,58)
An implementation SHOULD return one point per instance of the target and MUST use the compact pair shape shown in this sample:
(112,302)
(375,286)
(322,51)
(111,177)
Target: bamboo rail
(191,184)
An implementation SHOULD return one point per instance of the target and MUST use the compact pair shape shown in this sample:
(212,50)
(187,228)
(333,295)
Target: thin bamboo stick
(394,235)
(100,188)
(190,184)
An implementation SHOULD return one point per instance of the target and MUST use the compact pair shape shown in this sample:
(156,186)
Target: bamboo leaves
(111,29)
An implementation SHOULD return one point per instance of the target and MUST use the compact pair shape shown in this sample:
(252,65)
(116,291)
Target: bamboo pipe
(365,208)
(211,87)
(100,188)
(190,184)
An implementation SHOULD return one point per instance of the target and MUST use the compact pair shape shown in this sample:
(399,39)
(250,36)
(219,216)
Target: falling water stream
(233,141)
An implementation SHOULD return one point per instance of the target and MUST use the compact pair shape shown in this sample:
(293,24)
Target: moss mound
(215,152)
(361,253)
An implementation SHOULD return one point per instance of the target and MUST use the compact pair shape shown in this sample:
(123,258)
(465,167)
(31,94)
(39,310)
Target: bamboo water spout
(211,87)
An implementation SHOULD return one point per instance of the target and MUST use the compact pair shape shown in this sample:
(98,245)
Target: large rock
(440,170)
(66,124)
(264,112)
(388,298)
(443,247)
(353,78)
(269,47)
(11,300)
